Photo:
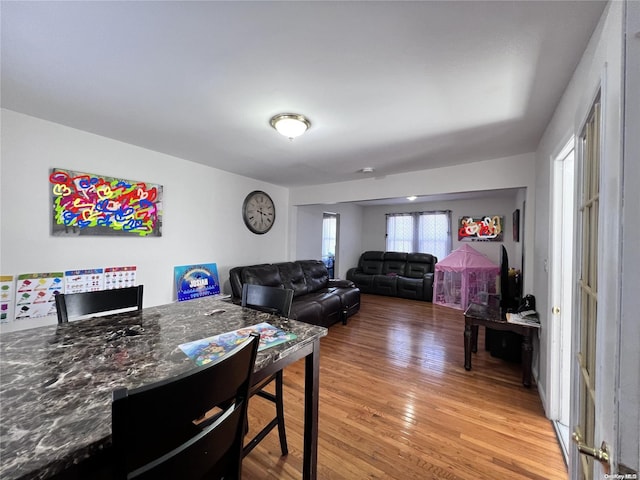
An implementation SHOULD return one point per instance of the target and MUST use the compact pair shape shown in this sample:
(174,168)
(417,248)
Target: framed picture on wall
(90,204)
(484,228)
(516,225)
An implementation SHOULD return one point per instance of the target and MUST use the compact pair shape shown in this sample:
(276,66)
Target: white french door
(592,416)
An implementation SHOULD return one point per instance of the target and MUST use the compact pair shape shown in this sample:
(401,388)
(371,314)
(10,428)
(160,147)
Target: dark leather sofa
(317,299)
(397,274)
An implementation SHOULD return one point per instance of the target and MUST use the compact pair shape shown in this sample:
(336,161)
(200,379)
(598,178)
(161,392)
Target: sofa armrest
(337,282)
(351,272)
(428,286)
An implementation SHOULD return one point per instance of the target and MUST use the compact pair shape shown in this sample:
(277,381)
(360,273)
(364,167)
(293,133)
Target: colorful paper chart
(6,298)
(35,294)
(208,349)
(119,277)
(77,281)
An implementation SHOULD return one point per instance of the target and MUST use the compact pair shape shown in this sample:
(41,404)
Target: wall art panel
(90,204)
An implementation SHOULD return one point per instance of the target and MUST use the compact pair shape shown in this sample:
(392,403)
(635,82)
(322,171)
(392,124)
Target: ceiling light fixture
(291,125)
(367,170)
(411,198)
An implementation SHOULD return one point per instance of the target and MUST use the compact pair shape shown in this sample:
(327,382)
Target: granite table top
(56,381)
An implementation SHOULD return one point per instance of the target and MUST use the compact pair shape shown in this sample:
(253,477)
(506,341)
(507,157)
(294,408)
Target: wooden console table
(482,315)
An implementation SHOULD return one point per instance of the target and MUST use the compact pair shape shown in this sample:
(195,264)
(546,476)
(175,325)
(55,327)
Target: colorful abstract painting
(481,229)
(90,204)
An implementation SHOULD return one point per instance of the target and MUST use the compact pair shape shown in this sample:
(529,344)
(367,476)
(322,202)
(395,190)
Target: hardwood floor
(397,403)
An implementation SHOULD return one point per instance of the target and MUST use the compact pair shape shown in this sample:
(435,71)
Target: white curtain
(425,232)
(400,233)
(329,227)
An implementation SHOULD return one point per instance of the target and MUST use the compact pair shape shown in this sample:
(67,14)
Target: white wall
(601,65)
(202,219)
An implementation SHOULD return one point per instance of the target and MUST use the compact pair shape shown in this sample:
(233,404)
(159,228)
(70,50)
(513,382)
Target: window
(425,232)
(329,241)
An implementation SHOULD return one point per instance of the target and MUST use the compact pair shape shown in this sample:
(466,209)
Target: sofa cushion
(315,274)
(411,288)
(399,256)
(307,311)
(371,262)
(394,263)
(418,264)
(267,275)
(385,285)
(293,277)
(330,304)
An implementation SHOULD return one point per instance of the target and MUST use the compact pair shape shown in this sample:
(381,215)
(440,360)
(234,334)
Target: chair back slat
(269,299)
(71,305)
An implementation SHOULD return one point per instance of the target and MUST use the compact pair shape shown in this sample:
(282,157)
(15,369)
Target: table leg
(468,341)
(527,357)
(474,338)
(311,397)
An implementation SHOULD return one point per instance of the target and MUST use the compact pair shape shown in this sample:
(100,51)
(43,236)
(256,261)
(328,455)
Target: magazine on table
(208,349)
(528,318)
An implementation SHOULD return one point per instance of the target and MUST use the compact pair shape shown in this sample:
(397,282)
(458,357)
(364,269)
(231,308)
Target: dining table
(56,381)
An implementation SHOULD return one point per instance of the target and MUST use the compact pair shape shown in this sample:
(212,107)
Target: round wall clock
(258,212)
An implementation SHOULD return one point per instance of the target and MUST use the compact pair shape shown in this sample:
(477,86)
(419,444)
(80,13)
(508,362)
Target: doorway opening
(561,290)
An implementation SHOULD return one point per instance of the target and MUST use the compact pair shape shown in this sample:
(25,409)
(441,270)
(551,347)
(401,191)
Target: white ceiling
(398,86)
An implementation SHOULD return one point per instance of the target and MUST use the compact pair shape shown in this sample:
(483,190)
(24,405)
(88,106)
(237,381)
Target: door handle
(601,454)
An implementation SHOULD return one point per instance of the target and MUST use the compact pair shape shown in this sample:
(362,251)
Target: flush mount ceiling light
(367,170)
(291,125)
(411,198)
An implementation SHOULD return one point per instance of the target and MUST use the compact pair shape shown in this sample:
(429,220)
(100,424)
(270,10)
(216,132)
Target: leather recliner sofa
(317,299)
(397,274)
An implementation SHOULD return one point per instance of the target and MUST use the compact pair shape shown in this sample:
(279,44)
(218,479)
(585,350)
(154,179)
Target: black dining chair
(277,301)
(71,305)
(189,427)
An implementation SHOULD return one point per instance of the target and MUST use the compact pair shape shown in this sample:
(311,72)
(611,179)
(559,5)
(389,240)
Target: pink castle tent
(463,277)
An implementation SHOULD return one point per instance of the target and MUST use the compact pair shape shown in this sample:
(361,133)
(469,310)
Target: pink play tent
(463,277)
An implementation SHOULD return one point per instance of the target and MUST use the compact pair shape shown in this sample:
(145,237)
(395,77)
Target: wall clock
(258,212)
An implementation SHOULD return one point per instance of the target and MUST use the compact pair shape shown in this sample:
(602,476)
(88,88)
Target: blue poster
(195,281)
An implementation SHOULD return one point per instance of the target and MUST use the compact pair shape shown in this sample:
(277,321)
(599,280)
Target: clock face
(258,212)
